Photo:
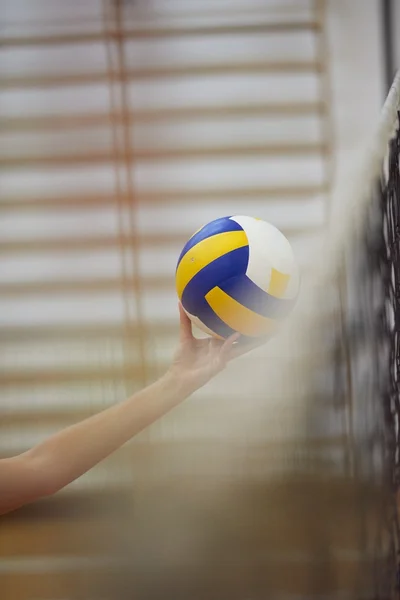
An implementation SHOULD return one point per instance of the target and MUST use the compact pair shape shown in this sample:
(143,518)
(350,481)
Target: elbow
(44,482)
(23,480)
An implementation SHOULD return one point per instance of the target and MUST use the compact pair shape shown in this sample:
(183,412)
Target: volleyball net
(362,377)
(358,377)
(371,329)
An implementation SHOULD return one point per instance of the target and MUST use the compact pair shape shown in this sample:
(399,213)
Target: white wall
(357,94)
(357,74)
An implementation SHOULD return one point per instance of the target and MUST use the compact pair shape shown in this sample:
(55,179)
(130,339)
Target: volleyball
(237,274)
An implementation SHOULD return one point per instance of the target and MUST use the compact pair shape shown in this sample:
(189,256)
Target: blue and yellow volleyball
(237,275)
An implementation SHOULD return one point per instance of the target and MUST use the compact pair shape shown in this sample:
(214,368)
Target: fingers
(185,326)
(230,349)
(242,349)
(225,352)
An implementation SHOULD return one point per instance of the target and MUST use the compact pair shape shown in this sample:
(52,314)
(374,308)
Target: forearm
(69,454)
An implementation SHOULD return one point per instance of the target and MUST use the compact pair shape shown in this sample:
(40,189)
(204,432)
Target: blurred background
(124,127)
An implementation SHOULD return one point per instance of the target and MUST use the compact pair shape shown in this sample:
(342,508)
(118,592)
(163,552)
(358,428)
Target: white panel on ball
(199,324)
(267,246)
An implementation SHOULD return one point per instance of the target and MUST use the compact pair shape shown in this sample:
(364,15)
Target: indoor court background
(125,126)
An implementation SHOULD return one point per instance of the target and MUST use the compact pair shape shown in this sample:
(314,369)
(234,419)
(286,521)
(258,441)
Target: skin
(65,456)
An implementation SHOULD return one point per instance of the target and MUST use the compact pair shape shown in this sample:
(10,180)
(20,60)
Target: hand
(198,361)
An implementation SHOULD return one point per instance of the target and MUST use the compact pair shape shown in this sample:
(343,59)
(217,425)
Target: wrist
(176,385)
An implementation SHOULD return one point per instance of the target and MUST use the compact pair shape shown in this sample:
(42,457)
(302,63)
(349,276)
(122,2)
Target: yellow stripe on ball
(238,317)
(204,253)
(278,283)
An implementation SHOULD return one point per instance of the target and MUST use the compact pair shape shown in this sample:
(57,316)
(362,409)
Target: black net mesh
(371,333)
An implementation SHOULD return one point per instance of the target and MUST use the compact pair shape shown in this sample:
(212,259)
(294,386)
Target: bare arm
(67,455)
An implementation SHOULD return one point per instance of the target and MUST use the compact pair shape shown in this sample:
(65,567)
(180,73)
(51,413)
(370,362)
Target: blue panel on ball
(245,291)
(207,316)
(221,225)
(193,298)
(229,265)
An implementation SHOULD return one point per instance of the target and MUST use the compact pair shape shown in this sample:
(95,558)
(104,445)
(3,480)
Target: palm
(197,361)
(200,359)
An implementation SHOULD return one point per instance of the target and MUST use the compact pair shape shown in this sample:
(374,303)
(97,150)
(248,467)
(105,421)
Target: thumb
(185,334)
